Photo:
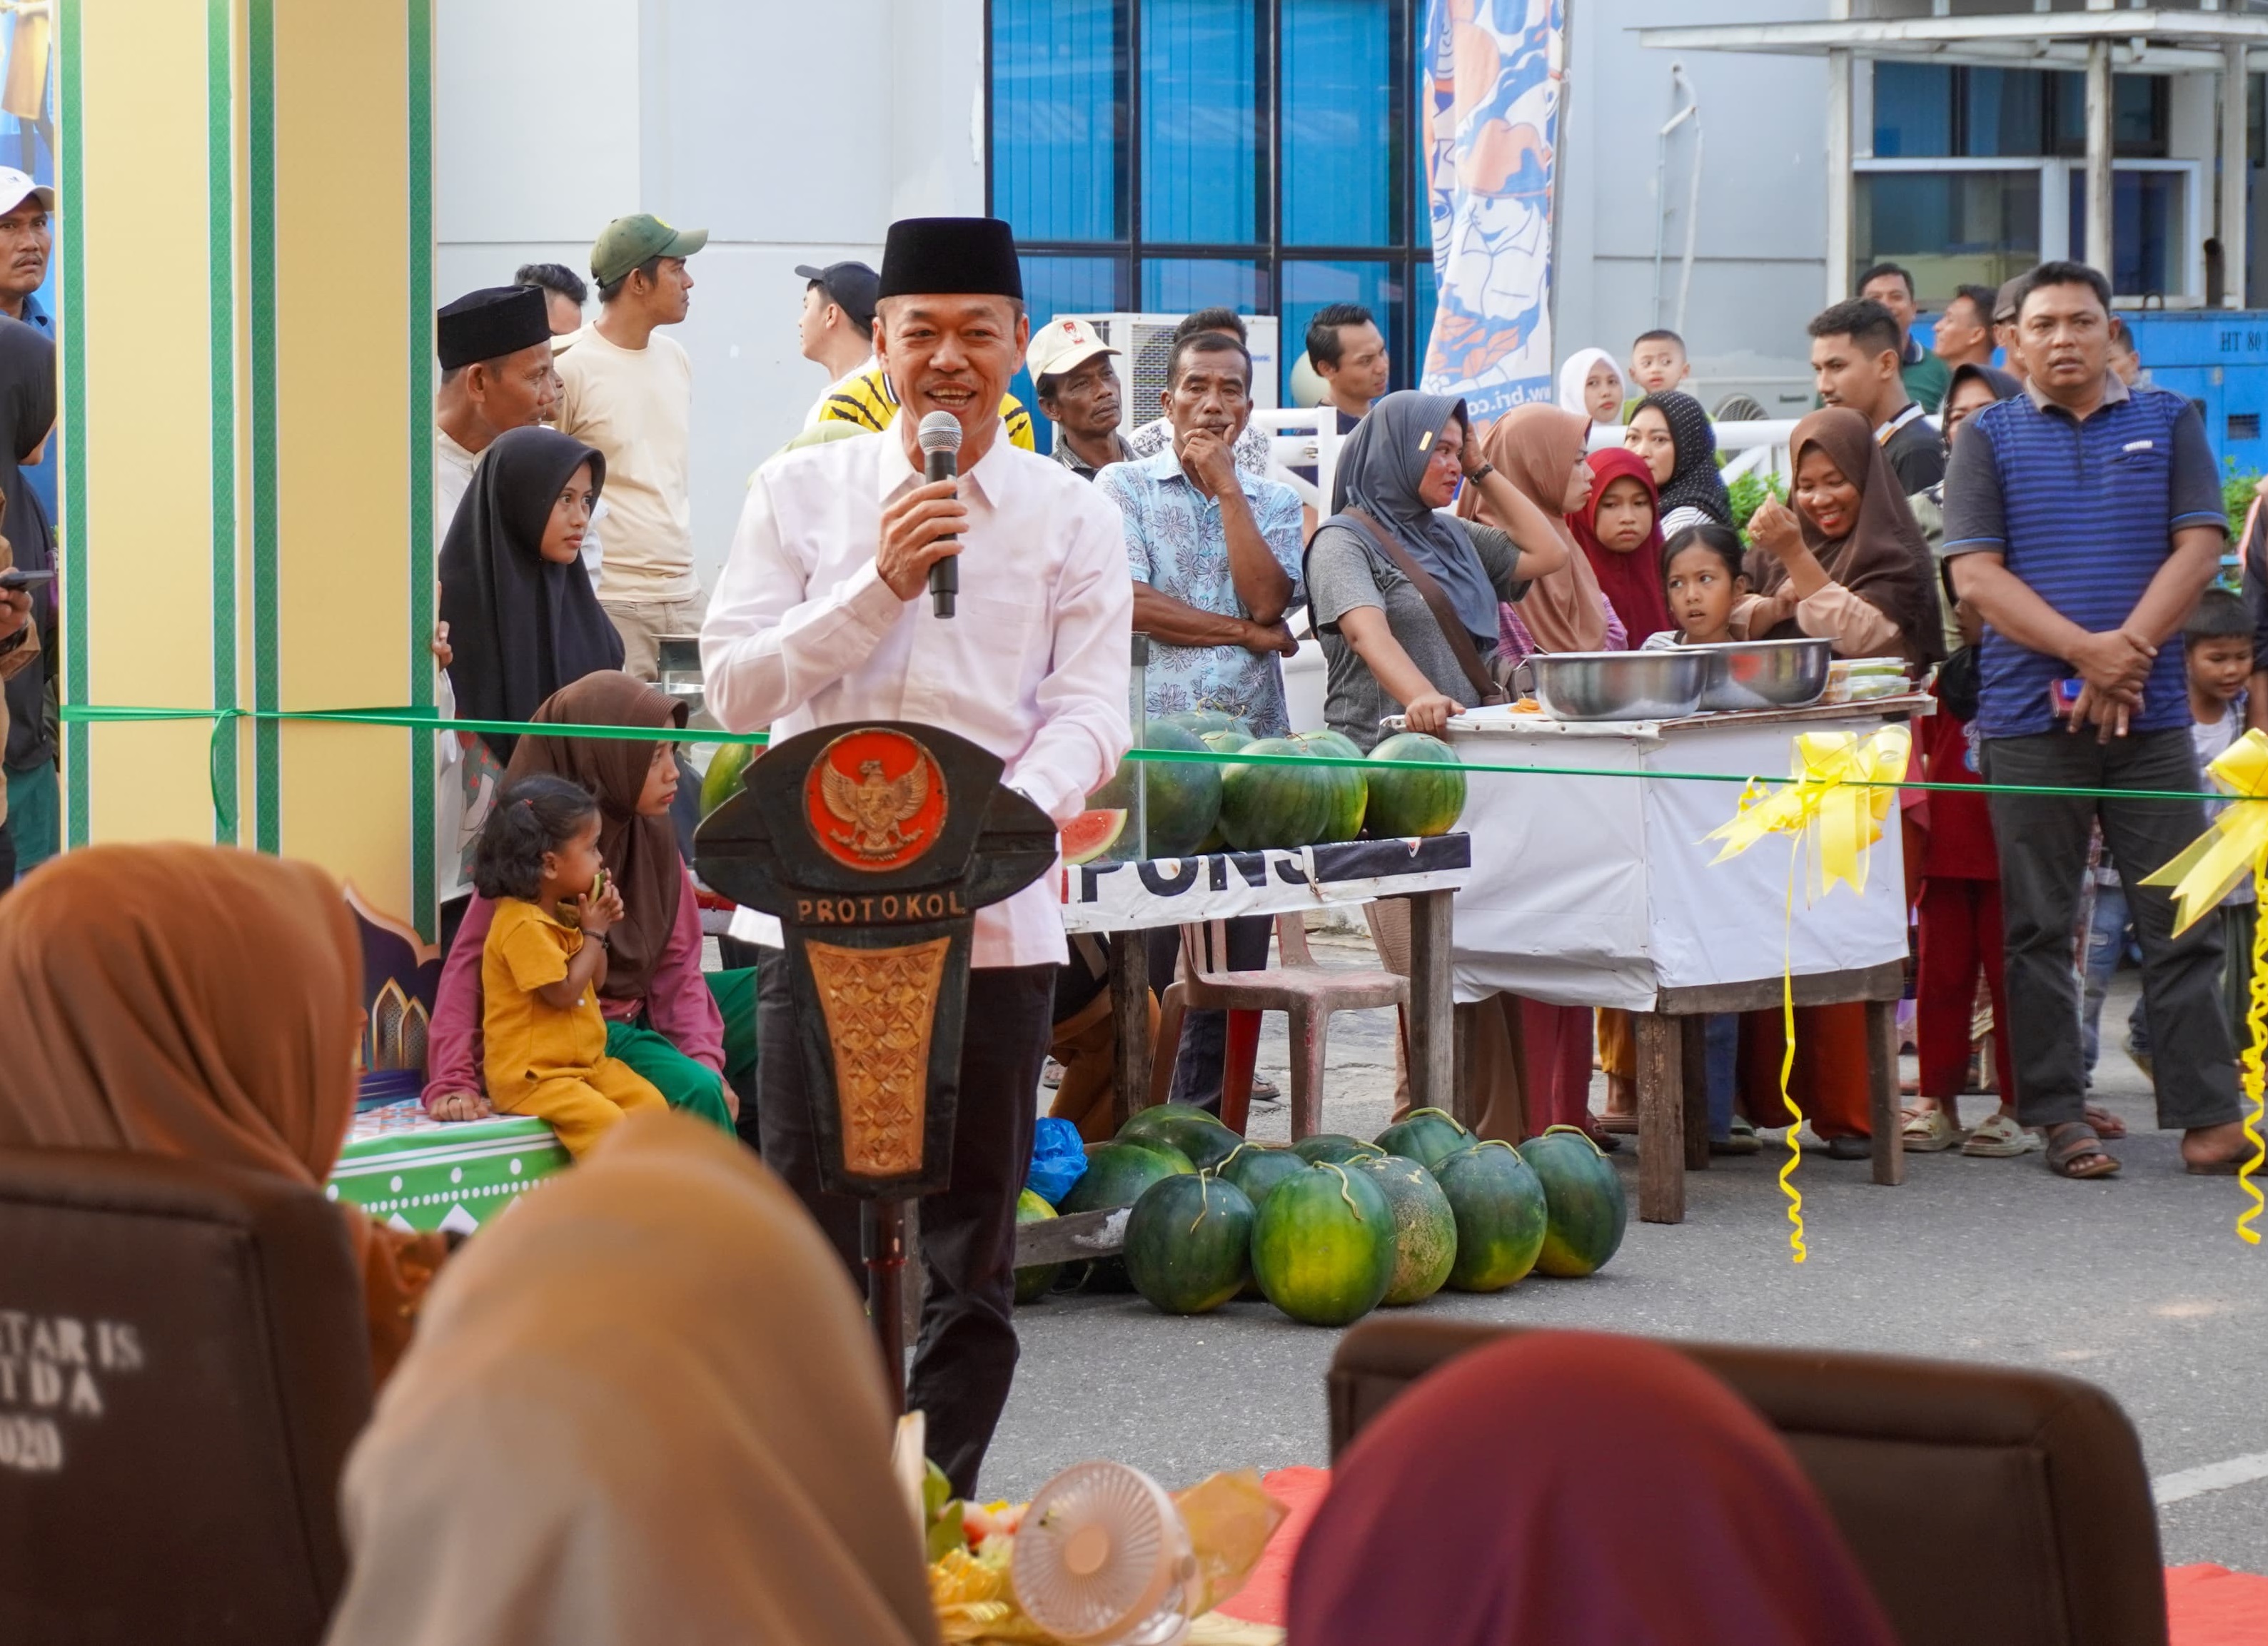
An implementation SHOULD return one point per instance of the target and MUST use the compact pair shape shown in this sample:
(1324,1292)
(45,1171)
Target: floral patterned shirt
(1176,544)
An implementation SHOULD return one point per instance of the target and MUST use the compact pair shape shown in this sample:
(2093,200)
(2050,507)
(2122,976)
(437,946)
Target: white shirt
(802,632)
(811,417)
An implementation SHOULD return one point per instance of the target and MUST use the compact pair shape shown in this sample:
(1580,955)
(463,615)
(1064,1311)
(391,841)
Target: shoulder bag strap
(1461,644)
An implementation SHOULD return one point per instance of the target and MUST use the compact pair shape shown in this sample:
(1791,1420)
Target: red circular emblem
(874,799)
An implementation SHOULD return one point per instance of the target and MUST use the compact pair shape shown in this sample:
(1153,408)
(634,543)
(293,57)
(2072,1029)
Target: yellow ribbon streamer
(1828,814)
(2234,850)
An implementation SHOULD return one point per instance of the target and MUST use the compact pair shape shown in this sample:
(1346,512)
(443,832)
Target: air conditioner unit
(1144,341)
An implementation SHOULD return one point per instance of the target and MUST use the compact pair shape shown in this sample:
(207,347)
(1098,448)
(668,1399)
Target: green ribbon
(430,720)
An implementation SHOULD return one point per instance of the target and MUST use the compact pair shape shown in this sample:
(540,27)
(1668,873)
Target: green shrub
(1749,493)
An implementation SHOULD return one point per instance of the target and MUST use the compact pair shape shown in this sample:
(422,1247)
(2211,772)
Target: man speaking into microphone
(824,614)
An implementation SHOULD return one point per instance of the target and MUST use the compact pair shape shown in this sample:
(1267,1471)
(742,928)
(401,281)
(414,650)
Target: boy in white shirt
(2217,651)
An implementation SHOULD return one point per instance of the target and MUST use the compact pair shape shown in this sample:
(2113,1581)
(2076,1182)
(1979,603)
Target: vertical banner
(1490,92)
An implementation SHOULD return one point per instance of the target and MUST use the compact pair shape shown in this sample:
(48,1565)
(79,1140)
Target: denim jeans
(1722,1032)
(2109,935)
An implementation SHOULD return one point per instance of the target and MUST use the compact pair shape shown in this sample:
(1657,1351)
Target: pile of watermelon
(1333,1227)
(1201,806)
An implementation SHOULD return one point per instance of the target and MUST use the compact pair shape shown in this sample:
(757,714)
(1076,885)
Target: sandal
(1929,1131)
(1998,1137)
(2107,1126)
(1605,1139)
(1741,1139)
(2075,1151)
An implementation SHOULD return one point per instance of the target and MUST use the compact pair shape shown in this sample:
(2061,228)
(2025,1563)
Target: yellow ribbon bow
(1829,804)
(2234,850)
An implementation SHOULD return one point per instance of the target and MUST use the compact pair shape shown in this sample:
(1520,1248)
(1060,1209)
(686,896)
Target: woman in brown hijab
(644,1407)
(1847,563)
(201,1003)
(1539,449)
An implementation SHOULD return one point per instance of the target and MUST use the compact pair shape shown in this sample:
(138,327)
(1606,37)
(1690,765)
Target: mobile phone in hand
(2063,697)
(16,577)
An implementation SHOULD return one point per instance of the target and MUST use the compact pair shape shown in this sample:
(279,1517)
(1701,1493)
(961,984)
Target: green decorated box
(410,1171)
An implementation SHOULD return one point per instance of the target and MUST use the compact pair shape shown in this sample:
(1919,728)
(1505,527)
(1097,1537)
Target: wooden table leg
(1464,1104)
(1882,1091)
(1432,1055)
(1130,1009)
(1661,1118)
(1694,1074)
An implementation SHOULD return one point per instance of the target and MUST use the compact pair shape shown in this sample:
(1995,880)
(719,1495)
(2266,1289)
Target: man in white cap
(1078,392)
(27,240)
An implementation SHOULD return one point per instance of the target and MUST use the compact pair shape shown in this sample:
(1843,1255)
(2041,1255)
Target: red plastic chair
(1306,993)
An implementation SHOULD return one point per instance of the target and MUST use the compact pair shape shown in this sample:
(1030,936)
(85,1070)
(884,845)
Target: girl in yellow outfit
(545,1039)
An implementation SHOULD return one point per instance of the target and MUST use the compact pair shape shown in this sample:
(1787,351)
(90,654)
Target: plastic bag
(1058,1160)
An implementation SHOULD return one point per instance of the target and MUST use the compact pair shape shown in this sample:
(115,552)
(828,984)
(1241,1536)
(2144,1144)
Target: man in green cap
(629,392)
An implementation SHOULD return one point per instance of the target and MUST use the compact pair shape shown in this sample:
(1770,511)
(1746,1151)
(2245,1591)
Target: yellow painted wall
(149,453)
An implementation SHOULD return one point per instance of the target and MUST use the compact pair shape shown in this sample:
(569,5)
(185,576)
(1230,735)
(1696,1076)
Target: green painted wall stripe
(267,632)
(70,532)
(220,284)
(421,546)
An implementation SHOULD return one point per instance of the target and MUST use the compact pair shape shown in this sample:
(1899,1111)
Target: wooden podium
(875,844)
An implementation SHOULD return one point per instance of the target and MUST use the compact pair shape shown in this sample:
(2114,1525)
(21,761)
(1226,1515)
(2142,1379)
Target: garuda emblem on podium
(875,799)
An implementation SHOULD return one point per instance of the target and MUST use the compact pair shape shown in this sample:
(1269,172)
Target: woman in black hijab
(27,415)
(522,619)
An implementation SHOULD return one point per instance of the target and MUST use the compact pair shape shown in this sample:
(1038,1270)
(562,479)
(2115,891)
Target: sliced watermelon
(1091,833)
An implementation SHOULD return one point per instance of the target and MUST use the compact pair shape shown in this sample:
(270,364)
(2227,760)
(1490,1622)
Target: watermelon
(1323,1248)
(1196,1133)
(1404,804)
(1500,1215)
(1336,744)
(1350,790)
(1333,1146)
(1226,742)
(1034,1283)
(722,781)
(1205,721)
(1424,1228)
(1277,805)
(1091,833)
(1116,1174)
(1189,1243)
(1184,795)
(1429,1137)
(1583,1199)
(1257,1168)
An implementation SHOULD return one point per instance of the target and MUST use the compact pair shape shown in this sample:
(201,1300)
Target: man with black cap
(837,326)
(497,376)
(822,616)
(627,389)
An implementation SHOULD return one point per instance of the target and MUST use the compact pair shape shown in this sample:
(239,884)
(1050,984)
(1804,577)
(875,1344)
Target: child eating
(545,1039)
(1709,596)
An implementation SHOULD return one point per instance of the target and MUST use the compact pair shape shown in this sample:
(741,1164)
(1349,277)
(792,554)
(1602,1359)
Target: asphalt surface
(2137,1284)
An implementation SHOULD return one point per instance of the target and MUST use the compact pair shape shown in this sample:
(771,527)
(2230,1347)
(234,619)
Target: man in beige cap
(628,391)
(1078,392)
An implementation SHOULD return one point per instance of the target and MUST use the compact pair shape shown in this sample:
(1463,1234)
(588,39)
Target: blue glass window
(2145,231)
(1059,74)
(1341,148)
(1178,285)
(1914,109)
(1378,286)
(2003,111)
(1203,164)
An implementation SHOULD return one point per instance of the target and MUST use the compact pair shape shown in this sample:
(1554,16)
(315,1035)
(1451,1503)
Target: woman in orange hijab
(1539,449)
(202,1003)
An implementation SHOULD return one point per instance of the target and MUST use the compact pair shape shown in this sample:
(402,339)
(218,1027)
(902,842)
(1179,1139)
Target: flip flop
(2074,1151)
(1998,1137)
(2107,1126)
(1928,1132)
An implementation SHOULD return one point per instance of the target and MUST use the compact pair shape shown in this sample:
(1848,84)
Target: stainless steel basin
(1619,685)
(1766,673)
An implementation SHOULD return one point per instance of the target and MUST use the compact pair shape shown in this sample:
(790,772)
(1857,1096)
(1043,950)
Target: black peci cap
(491,323)
(951,255)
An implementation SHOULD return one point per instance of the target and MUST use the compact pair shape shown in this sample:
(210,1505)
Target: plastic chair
(1304,991)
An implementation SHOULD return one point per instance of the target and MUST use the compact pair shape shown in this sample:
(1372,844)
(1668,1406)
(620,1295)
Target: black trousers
(1200,1061)
(2043,843)
(966,1357)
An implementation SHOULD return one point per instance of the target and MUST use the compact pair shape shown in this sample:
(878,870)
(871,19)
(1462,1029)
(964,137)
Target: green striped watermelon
(1429,1137)
(1183,1126)
(1033,1283)
(1348,787)
(1500,1215)
(1189,1243)
(1323,1248)
(1333,1146)
(1583,1199)
(1405,803)
(1256,1168)
(1277,805)
(1424,1228)
(1116,1174)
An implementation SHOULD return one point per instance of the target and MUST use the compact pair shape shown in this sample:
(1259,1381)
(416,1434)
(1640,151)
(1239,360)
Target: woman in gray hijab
(1404,595)
(1405,598)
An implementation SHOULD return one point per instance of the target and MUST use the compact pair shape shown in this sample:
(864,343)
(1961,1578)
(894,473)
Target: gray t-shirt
(1346,570)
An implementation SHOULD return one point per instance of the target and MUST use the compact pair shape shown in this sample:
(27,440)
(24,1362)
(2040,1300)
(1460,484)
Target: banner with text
(1490,92)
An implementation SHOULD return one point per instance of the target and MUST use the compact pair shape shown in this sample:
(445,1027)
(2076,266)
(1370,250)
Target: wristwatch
(1482,473)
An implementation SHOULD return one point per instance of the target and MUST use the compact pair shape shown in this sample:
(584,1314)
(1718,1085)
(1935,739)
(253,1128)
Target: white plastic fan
(1103,1559)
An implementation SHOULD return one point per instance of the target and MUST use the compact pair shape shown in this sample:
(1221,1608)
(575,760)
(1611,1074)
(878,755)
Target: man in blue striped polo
(2083,519)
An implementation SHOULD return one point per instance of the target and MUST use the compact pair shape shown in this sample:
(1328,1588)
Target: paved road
(2138,1284)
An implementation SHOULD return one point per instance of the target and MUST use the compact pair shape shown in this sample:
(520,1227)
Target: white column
(2098,154)
(2236,166)
(1840,266)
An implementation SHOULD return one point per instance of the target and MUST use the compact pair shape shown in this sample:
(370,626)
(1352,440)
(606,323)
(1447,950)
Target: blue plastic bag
(1058,1160)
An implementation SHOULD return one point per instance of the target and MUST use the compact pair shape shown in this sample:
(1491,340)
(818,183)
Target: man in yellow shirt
(628,389)
(869,401)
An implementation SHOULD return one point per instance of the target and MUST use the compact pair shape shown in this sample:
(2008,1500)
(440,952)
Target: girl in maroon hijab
(1457,1520)
(1619,531)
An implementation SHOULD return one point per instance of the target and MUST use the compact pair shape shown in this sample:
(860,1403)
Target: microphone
(940,445)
